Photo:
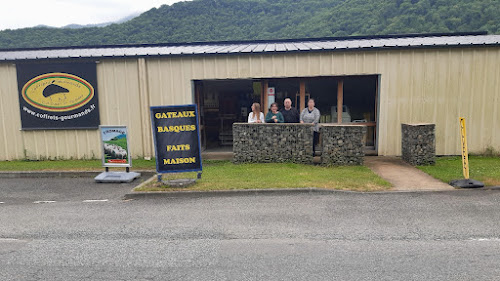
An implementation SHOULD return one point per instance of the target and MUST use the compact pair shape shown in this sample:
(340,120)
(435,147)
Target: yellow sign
(57,92)
(465,153)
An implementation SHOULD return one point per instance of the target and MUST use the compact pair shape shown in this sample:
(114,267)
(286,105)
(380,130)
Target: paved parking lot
(45,189)
(75,229)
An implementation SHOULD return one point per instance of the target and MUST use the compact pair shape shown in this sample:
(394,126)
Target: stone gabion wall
(418,144)
(342,145)
(271,143)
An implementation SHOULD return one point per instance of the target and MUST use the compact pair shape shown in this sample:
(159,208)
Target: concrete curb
(59,174)
(489,188)
(253,192)
(152,178)
(271,191)
(215,193)
(48,174)
(225,193)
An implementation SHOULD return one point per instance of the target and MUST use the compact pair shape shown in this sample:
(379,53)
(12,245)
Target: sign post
(466,182)
(465,152)
(176,136)
(115,153)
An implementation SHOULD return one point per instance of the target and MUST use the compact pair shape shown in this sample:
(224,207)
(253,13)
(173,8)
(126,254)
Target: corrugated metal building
(434,78)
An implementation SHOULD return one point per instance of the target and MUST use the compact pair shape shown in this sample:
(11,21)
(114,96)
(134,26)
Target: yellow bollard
(466,182)
(465,152)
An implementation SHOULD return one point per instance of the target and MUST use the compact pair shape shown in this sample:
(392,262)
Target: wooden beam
(199,98)
(262,95)
(302,95)
(265,104)
(340,100)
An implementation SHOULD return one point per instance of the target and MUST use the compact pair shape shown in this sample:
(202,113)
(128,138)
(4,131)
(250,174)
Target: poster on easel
(115,146)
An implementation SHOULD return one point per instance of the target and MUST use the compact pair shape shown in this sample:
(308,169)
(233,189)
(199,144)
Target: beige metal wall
(119,104)
(122,100)
(420,85)
(439,86)
(11,139)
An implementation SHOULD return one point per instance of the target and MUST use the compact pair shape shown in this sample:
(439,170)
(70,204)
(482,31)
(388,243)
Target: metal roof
(255,47)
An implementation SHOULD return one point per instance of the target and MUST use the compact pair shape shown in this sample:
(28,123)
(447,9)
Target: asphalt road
(313,236)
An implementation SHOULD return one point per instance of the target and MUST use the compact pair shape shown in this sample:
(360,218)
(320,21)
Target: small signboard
(271,95)
(177,138)
(115,148)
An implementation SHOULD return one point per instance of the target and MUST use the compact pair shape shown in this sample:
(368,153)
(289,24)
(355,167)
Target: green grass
(223,175)
(67,165)
(482,168)
(120,142)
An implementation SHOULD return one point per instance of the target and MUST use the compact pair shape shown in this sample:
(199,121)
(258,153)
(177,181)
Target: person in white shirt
(256,116)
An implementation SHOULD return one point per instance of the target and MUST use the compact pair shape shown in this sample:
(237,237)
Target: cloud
(28,13)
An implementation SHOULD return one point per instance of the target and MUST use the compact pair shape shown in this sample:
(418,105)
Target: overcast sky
(27,13)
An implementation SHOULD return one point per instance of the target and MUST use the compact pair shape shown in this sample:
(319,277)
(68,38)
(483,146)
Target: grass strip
(481,168)
(68,165)
(223,175)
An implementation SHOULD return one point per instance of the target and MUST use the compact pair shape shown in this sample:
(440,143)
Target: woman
(274,116)
(311,114)
(256,116)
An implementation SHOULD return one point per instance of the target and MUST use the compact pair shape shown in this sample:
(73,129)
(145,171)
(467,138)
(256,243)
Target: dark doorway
(224,102)
(359,101)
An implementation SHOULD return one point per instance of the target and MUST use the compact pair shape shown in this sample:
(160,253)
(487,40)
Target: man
(290,114)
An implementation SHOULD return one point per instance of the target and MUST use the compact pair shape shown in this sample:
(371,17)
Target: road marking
(2,202)
(42,202)
(94,200)
(485,239)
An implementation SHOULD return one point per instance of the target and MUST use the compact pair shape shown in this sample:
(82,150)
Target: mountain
(103,24)
(220,20)
(122,20)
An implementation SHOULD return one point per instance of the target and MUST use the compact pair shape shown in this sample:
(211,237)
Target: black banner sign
(177,138)
(58,95)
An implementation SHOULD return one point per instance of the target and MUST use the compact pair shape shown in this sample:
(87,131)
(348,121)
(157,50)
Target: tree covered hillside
(219,20)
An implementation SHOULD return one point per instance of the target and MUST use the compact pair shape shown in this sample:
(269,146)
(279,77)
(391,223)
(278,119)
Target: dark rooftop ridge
(335,44)
(205,43)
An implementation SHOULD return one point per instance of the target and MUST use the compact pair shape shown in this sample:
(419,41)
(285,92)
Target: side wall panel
(11,139)
(439,86)
(120,100)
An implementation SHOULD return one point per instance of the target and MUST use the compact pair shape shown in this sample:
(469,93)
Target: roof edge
(316,39)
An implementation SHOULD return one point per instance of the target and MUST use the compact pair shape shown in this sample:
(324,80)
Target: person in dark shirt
(290,114)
